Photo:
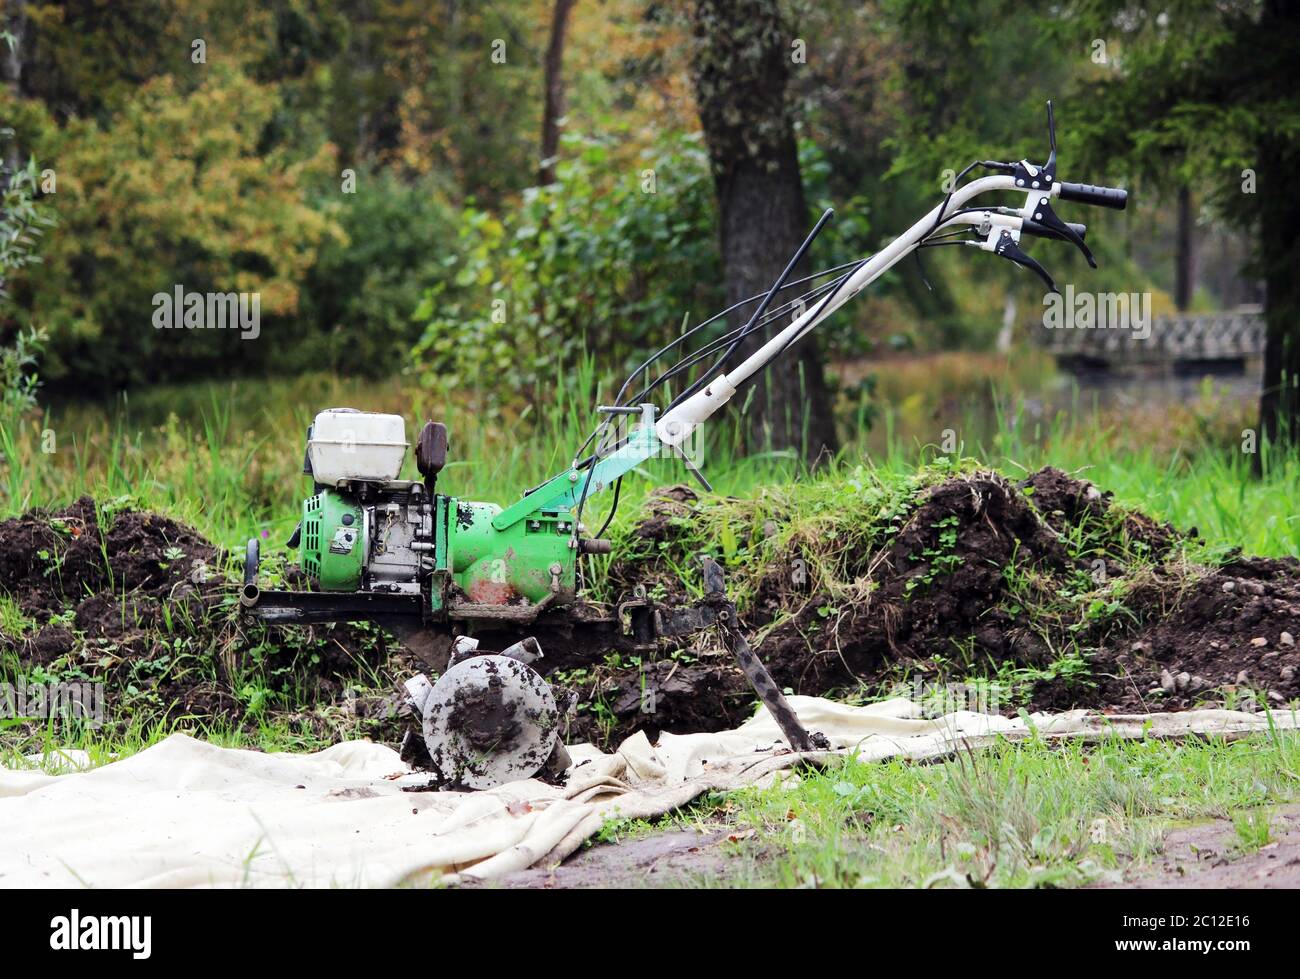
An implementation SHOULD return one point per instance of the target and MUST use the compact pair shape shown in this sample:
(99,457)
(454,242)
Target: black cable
(619,400)
(756,322)
(939,219)
(739,333)
(613,507)
(795,259)
(687,362)
(717,316)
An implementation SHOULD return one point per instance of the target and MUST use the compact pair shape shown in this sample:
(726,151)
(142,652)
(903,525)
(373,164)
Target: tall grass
(227,456)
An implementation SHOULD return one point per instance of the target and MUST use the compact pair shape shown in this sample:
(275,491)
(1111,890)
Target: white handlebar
(676,424)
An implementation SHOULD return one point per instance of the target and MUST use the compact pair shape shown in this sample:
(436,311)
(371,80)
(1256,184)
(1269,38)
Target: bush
(176,187)
(608,259)
(22,221)
(358,298)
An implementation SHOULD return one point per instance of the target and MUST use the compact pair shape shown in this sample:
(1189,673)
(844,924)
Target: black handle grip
(1112,197)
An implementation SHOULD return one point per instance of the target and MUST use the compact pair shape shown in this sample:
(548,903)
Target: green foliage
(22,222)
(976,77)
(1206,95)
(1189,91)
(597,261)
(940,560)
(1253,829)
(989,103)
(358,297)
(18,379)
(1032,814)
(192,198)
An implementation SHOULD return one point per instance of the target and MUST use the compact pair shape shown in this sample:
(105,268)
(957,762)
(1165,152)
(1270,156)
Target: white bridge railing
(1223,336)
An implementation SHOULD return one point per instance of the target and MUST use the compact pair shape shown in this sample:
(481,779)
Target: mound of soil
(145,604)
(66,572)
(939,604)
(1230,639)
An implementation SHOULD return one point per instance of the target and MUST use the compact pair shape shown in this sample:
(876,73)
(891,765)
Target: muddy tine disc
(489,720)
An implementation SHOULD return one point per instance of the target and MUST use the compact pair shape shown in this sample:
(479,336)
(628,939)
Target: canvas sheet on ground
(185,813)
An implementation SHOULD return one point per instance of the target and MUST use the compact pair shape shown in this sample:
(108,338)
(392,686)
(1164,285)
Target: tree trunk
(1279,404)
(553,109)
(1279,258)
(740,66)
(1185,273)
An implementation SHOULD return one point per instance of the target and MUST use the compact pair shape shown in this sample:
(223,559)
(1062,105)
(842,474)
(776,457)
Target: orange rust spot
(486,592)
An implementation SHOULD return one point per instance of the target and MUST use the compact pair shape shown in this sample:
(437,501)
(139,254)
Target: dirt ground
(1186,637)
(1206,855)
(676,858)
(149,606)
(1209,855)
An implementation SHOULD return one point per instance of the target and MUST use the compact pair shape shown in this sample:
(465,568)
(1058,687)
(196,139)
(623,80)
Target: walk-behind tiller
(441,572)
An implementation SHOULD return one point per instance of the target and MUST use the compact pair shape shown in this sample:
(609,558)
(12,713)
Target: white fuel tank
(347,444)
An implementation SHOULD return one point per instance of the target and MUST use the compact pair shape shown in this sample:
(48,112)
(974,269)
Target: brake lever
(1045,216)
(1030,177)
(1007,248)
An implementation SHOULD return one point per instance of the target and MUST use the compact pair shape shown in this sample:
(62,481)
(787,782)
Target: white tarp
(185,813)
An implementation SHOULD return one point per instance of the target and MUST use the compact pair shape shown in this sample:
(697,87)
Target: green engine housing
(531,559)
(400,539)
(334,544)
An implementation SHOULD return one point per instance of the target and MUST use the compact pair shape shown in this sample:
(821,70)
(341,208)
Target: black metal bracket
(796,735)
(1045,216)
(304,607)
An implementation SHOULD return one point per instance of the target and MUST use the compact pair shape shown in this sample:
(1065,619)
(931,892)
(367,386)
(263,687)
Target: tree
(553,86)
(1185,260)
(190,198)
(13,28)
(22,221)
(1210,92)
(740,67)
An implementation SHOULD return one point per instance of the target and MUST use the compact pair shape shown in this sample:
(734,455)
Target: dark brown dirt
(1065,502)
(675,858)
(102,588)
(144,603)
(1224,641)
(917,609)
(114,580)
(942,610)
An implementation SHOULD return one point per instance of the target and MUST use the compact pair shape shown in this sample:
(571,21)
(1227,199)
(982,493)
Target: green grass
(45,749)
(1253,829)
(226,457)
(1017,815)
(1210,487)
(13,622)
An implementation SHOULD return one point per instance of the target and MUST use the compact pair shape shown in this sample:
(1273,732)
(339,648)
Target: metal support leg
(796,735)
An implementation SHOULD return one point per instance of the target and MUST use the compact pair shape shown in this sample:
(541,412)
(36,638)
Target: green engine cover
(530,559)
(333,541)
(527,562)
